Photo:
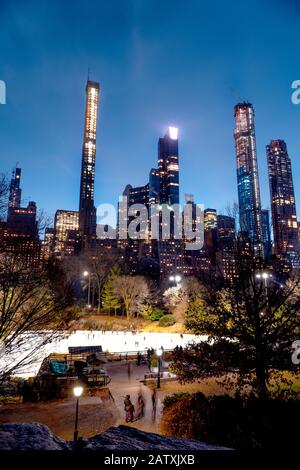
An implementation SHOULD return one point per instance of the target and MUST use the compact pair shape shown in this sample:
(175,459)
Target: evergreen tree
(110,300)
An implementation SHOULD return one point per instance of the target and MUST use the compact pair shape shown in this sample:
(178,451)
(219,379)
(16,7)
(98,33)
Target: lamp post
(264,276)
(86,273)
(159,354)
(77,392)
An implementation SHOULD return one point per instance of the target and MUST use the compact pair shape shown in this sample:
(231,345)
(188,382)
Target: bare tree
(133,292)
(32,303)
(99,263)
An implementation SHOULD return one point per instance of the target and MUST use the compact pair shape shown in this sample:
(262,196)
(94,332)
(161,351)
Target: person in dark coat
(129,409)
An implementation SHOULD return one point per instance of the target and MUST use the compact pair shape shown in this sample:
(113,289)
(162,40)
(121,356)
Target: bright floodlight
(159,352)
(171,278)
(177,278)
(85,273)
(265,275)
(78,391)
(258,276)
(173,132)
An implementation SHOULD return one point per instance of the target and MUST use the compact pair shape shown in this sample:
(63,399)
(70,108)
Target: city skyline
(202,109)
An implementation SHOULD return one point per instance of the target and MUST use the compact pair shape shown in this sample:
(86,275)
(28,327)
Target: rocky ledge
(35,436)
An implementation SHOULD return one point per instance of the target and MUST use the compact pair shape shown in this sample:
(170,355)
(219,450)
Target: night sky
(159,63)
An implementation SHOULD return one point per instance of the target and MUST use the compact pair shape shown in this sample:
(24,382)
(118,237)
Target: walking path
(123,383)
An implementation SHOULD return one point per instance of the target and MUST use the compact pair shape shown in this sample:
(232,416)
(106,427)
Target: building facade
(66,232)
(20,233)
(247,176)
(283,204)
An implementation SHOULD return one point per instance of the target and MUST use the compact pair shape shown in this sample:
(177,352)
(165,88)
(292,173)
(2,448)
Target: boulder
(35,436)
(29,436)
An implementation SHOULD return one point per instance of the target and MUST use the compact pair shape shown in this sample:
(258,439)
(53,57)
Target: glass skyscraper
(247,176)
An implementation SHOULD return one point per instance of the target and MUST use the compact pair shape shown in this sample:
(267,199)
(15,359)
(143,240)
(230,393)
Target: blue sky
(159,63)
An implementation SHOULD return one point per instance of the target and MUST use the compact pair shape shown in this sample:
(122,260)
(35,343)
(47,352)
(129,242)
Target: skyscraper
(87,210)
(168,167)
(20,233)
(66,232)
(226,231)
(210,232)
(162,189)
(247,176)
(14,189)
(283,205)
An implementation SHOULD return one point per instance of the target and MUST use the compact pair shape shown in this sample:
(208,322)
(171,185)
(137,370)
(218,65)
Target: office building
(66,232)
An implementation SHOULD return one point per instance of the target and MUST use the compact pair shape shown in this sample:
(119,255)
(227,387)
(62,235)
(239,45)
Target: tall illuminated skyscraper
(247,176)
(87,210)
(168,167)
(283,205)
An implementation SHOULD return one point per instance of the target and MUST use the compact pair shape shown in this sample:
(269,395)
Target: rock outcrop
(29,436)
(34,436)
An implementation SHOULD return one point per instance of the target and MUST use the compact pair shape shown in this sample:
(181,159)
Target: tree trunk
(261,375)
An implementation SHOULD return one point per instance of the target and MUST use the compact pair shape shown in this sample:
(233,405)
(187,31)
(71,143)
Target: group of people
(130,409)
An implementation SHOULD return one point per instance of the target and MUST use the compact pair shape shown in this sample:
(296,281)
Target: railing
(110,356)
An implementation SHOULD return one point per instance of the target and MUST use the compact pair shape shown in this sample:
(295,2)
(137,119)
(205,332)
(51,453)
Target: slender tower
(87,210)
(283,205)
(247,176)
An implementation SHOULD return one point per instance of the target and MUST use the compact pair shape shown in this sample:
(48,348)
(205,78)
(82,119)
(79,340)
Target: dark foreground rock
(34,436)
(29,436)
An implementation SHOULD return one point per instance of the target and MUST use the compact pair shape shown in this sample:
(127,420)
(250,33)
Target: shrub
(167,320)
(235,422)
(157,314)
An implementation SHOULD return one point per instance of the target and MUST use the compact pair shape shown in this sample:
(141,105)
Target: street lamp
(176,278)
(77,393)
(265,276)
(159,354)
(85,274)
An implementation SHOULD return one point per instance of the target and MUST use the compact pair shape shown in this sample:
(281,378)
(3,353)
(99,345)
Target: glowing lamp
(173,133)
(78,391)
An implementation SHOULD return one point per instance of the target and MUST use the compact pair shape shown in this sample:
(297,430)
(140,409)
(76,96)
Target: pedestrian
(129,409)
(140,407)
(153,398)
(139,357)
